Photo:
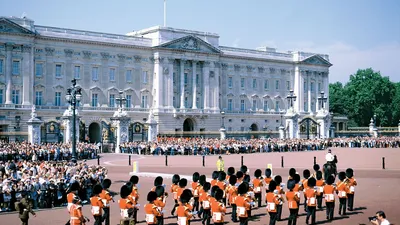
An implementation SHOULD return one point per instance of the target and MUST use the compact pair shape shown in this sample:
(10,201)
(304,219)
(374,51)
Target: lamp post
(121,99)
(73,98)
(223,119)
(374,120)
(291,98)
(322,99)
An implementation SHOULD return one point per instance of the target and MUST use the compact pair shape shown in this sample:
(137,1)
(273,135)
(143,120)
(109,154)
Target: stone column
(152,131)
(121,123)
(34,131)
(68,125)
(158,82)
(291,118)
(170,83)
(316,94)
(194,85)
(206,83)
(216,87)
(309,93)
(26,74)
(182,71)
(9,48)
(326,89)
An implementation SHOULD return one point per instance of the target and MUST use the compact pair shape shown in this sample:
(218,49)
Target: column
(297,89)
(27,72)
(194,103)
(316,93)
(9,48)
(170,81)
(206,83)
(216,86)
(309,93)
(326,89)
(182,83)
(158,82)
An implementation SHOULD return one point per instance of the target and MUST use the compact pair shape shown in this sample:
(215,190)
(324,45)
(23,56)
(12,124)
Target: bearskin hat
(246,178)
(330,180)
(257,173)
(232,180)
(290,184)
(202,180)
(243,169)
(319,175)
(292,172)
(349,173)
(219,194)
(316,167)
(188,193)
(151,196)
(311,182)
(222,176)
(206,186)
(215,175)
(342,176)
(268,172)
(278,179)
(175,179)
(196,177)
(158,181)
(297,178)
(306,174)
(239,174)
(182,183)
(97,189)
(129,185)
(272,186)
(185,198)
(134,179)
(125,191)
(74,186)
(106,183)
(243,188)
(213,190)
(160,191)
(231,171)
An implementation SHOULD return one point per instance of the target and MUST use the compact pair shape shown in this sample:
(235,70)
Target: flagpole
(165,13)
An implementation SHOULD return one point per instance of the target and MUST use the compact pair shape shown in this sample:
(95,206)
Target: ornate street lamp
(73,97)
(322,99)
(291,98)
(223,119)
(121,99)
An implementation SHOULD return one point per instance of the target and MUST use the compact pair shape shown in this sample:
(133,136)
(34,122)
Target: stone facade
(185,77)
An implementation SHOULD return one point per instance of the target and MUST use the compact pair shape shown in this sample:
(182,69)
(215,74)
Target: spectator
(380,219)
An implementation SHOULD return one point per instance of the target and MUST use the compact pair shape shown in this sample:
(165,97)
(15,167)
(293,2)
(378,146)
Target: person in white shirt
(380,219)
(329,157)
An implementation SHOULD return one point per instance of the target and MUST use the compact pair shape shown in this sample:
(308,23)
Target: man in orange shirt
(257,186)
(76,215)
(204,199)
(151,209)
(218,208)
(272,200)
(195,190)
(342,189)
(97,205)
(329,191)
(311,195)
(293,200)
(106,198)
(320,188)
(174,191)
(232,194)
(351,183)
(242,204)
(160,203)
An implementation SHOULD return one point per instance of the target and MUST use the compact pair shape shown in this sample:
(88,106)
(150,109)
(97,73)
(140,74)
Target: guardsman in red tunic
(183,211)
(304,186)
(229,173)
(158,181)
(126,206)
(257,186)
(174,191)
(239,176)
(76,216)
(106,198)
(242,204)
(73,193)
(214,180)
(182,187)
(97,205)
(342,189)
(160,203)
(134,196)
(311,195)
(218,208)
(195,190)
(320,189)
(329,193)
(202,181)
(292,172)
(316,169)
(279,189)
(221,183)
(205,201)
(268,178)
(293,201)
(272,199)
(297,187)
(150,209)
(232,195)
(351,183)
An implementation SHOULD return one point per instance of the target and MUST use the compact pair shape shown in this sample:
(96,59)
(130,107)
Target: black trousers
(305,204)
(278,212)
(218,223)
(311,212)
(273,216)
(173,209)
(106,216)
(293,216)
(258,196)
(24,221)
(160,220)
(196,204)
(97,220)
(350,201)
(330,208)
(234,216)
(319,201)
(342,206)
(243,220)
(206,216)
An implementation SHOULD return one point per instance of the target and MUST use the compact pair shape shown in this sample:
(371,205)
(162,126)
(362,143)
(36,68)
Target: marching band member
(134,196)
(160,203)
(342,189)
(174,191)
(214,180)
(183,211)
(195,190)
(329,190)
(230,172)
(158,181)
(239,176)
(73,193)
(97,205)
(267,179)
(242,204)
(316,169)
(304,187)
(125,205)
(76,214)
(106,198)
(202,181)
(293,200)
(232,194)
(222,184)
(311,195)
(352,183)
(151,210)
(292,172)
(320,188)
(205,203)
(258,184)
(297,187)
(272,199)
(218,208)
(279,189)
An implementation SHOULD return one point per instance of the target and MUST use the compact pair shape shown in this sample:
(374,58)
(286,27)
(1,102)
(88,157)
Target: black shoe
(306,221)
(340,213)
(327,218)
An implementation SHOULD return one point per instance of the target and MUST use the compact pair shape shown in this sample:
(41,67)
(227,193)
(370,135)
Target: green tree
(396,105)
(336,98)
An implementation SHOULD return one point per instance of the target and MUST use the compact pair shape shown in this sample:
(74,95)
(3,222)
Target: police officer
(220,164)
(24,207)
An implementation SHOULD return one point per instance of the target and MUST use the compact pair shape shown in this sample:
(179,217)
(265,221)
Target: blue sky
(356,34)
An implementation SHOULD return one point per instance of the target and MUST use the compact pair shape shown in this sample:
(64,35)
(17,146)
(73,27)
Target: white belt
(74,218)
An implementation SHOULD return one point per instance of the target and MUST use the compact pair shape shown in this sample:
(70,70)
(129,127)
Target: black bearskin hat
(292,172)
(183,183)
(231,171)
(222,176)
(311,182)
(278,179)
(134,179)
(272,186)
(97,189)
(243,169)
(349,173)
(239,174)
(306,174)
(175,179)
(257,173)
(213,190)
(74,186)
(319,175)
(188,193)
(316,167)
(215,175)
(158,181)
(125,191)
(330,180)
(206,186)
(243,188)
(290,184)
(297,178)
(202,180)
(196,177)
(268,172)
(106,183)
(246,178)
(159,191)
(232,180)
(151,196)
(185,198)
(342,176)
(129,185)
(219,194)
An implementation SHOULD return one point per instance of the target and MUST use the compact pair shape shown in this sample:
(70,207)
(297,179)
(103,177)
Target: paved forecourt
(376,190)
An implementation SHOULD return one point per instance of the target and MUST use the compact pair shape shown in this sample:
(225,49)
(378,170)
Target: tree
(396,105)
(336,98)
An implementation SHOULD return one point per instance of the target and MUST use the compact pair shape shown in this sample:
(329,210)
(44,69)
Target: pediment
(39,86)
(128,90)
(190,43)
(58,87)
(113,89)
(316,60)
(8,26)
(254,96)
(230,95)
(95,88)
(144,90)
(266,96)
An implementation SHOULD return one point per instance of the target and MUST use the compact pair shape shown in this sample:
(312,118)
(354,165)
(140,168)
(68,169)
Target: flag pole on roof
(165,13)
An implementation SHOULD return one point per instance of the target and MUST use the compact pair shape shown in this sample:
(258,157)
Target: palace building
(186,78)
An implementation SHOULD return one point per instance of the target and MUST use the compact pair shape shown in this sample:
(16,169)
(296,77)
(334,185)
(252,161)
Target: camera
(372,218)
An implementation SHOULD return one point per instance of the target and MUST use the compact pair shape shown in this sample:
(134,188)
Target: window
(112,100)
(197,79)
(305,86)
(242,82)
(38,98)
(186,102)
(94,100)
(39,69)
(277,85)
(95,73)
(1,65)
(144,77)
(254,107)
(288,85)
(1,96)
(128,101)
(230,82)
(58,70)
(312,86)
(305,106)
(129,76)
(144,101)
(15,96)
(319,87)
(277,107)
(266,85)
(313,106)
(266,105)
(242,105)
(16,67)
(230,104)
(254,83)
(77,72)
(185,78)
(112,74)
(57,101)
